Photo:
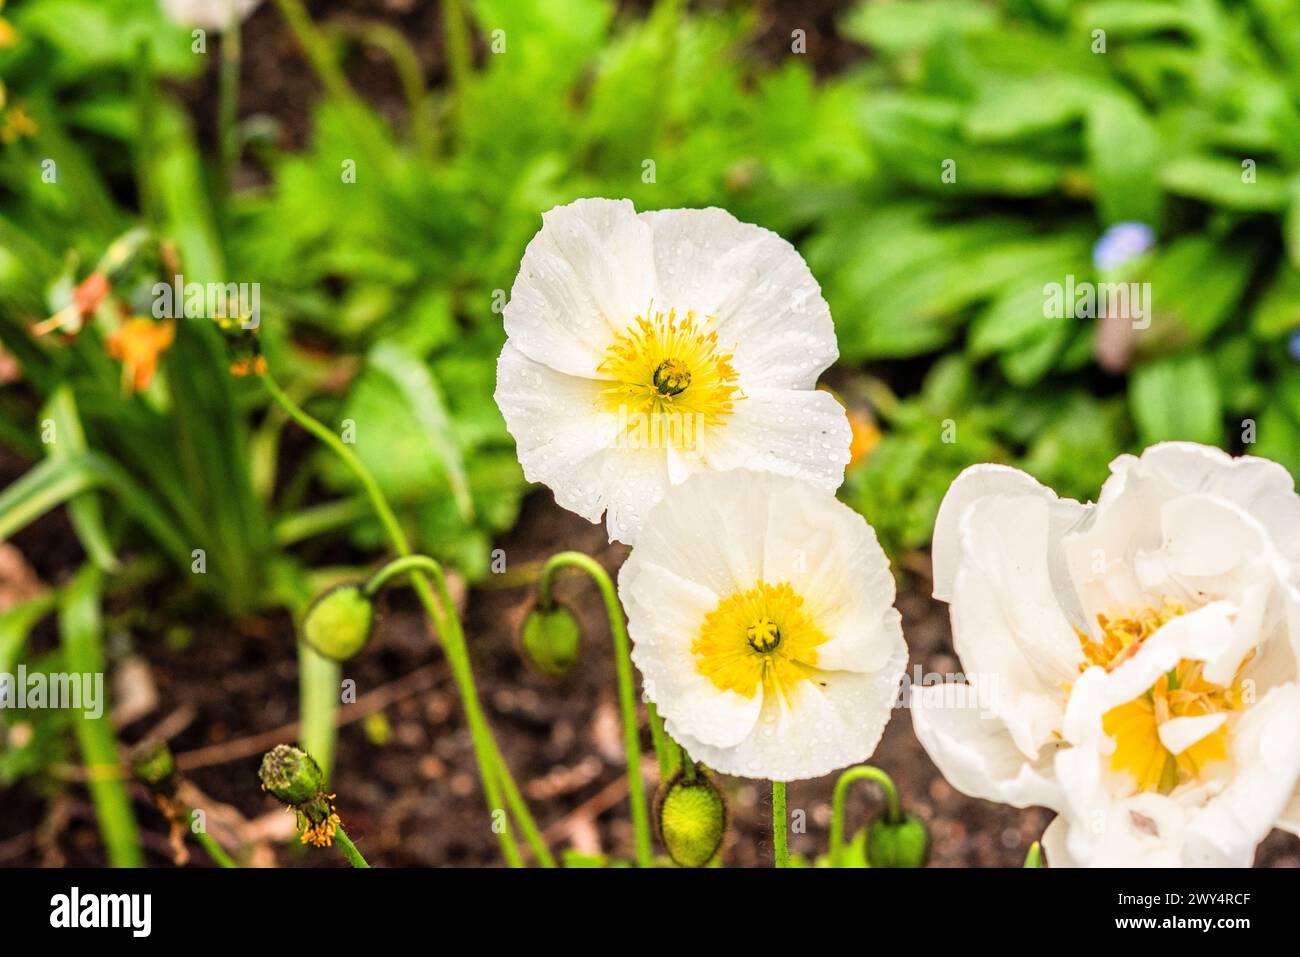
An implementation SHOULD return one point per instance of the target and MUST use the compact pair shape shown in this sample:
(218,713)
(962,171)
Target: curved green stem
(409,74)
(863,772)
(397,567)
(626,684)
(348,849)
(492,768)
(780,837)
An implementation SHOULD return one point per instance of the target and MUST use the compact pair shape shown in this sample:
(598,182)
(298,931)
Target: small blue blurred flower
(1293,345)
(1121,244)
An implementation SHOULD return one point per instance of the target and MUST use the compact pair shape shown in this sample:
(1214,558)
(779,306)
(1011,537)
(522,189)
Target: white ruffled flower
(762,620)
(643,348)
(208,14)
(1133,663)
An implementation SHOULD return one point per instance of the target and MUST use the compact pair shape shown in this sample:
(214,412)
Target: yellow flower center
(666,367)
(1182,692)
(758,637)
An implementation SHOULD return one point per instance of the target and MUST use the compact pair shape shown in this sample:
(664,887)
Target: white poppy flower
(643,348)
(762,620)
(1131,664)
(209,14)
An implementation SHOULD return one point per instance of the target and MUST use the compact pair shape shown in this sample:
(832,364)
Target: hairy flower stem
(863,772)
(348,849)
(665,748)
(780,837)
(209,844)
(492,768)
(626,685)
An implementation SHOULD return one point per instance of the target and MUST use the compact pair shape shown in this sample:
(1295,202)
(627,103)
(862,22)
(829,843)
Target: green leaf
(16,624)
(81,636)
(1177,398)
(1123,154)
(900,27)
(85,510)
(423,398)
(1219,182)
(54,481)
(1278,310)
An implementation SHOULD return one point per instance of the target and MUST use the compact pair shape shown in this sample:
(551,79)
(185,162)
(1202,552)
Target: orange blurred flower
(138,343)
(866,436)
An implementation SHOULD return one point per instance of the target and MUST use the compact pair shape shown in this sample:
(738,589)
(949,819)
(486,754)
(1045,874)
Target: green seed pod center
(672,377)
(763,635)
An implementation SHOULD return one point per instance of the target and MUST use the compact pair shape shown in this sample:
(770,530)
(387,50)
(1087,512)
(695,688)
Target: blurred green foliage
(381,296)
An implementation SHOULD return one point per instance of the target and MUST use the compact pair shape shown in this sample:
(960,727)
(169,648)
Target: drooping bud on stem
(551,639)
(901,843)
(339,622)
(692,819)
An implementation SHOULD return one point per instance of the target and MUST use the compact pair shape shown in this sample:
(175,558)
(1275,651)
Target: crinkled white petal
(974,751)
(1264,489)
(973,484)
(1266,764)
(823,725)
(664,615)
(585,275)
(770,311)
(565,441)
(1006,619)
(804,435)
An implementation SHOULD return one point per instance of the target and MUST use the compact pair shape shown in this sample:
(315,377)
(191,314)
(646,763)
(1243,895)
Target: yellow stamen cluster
(761,637)
(318,821)
(1182,692)
(667,365)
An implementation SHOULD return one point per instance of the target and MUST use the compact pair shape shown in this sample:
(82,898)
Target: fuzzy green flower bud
(904,843)
(291,774)
(339,622)
(692,820)
(551,640)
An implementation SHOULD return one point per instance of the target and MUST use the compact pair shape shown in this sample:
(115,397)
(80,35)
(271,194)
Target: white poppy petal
(975,752)
(582,280)
(770,311)
(805,435)
(824,725)
(1266,765)
(561,436)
